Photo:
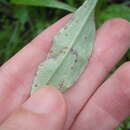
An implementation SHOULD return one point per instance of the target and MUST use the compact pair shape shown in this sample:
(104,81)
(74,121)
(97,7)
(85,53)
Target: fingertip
(113,37)
(46,100)
(118,28)
(117,21)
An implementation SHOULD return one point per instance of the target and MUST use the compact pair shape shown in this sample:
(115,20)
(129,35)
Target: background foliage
(22,20)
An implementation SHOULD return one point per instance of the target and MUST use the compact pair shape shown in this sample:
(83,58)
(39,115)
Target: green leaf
(72,48)
(45,3)
(114,11)
(21,14)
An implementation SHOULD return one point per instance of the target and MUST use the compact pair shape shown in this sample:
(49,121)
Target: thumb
(45,109)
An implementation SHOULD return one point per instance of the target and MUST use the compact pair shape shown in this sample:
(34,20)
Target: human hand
(91,104)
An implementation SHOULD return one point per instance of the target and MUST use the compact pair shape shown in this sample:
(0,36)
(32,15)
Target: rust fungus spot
(61,84)
(66,47)
(52,56)
(36,85)
(76,60)
(63,50)
(85,6)
(75,53)
(85,37)
(78,21)
(51,51)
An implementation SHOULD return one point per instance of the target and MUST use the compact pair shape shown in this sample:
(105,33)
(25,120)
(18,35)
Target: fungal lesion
(51,55)
(78,21)
(35,85)
(85,5)
(62,84)
(85,37)
(54,54)
(62,51)
(76,54)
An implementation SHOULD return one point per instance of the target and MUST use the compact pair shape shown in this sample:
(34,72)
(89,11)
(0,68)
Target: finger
(16,75)
(110,105)
(46,109)
(112,42)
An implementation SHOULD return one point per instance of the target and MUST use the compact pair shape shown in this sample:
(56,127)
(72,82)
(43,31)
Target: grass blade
(45,3)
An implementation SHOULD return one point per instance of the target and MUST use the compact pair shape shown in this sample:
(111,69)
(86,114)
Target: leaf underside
(72,48)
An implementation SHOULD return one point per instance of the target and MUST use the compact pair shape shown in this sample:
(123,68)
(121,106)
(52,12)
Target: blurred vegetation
(22,20)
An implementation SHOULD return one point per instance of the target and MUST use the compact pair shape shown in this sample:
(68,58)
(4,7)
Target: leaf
(45,3)
(21,14)
(114,11)
(72,48)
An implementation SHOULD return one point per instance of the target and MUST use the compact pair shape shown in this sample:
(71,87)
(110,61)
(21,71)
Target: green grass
(19,23)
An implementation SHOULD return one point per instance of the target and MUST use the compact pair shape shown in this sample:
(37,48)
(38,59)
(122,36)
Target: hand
(92,104)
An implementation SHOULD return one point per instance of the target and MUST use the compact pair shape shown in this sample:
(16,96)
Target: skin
(93,103)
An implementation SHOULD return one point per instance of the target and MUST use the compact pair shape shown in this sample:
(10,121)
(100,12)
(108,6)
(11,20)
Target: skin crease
(91,104)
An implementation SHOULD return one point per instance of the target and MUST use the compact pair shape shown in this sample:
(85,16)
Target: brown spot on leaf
(75,53)
(36,85)
(78,21)
(85,37)
(85,6)
(62,84)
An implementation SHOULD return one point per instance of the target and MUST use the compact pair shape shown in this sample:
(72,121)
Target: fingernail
(45,100)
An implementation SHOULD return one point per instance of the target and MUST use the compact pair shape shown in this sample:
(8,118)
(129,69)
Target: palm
(92,103)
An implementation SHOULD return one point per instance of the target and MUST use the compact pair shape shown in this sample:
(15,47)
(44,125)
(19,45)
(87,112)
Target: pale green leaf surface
(45,3)
(72,48)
